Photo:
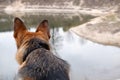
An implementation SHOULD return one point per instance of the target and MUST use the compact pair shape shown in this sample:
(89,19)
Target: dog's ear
(44,27)
(19,27)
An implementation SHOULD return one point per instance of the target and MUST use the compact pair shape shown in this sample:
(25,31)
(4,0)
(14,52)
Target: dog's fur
(36,60)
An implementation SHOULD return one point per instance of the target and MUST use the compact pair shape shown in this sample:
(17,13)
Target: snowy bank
(104,30)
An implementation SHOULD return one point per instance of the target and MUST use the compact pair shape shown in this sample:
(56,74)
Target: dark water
(88,60)
(33,19)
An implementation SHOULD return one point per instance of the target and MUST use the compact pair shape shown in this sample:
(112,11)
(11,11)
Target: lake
(88,60)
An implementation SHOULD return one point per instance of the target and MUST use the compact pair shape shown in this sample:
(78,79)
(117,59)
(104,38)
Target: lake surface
(88,60)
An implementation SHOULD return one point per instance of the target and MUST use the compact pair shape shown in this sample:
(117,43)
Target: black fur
(35,43)
(41,64)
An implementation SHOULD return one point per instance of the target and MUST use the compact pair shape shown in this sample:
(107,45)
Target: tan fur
(22,65)
(21,34)
(19,54)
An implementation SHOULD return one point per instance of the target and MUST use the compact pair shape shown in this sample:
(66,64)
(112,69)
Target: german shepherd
(36,60)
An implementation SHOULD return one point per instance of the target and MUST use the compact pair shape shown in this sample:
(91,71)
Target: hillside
(79,3)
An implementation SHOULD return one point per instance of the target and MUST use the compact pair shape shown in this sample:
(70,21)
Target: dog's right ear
(44,27)
(19,27)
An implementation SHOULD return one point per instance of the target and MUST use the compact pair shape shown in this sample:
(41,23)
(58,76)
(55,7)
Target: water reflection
(90,61)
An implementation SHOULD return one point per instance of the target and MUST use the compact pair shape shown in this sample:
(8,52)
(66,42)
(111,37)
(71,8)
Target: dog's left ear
(44,27)
(19,27)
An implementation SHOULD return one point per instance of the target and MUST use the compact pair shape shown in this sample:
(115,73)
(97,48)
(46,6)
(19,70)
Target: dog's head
(21,34)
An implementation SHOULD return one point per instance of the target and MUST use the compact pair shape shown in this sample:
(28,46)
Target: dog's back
(41,64)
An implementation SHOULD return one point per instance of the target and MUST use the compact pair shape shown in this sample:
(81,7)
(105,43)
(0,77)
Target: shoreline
(104,30)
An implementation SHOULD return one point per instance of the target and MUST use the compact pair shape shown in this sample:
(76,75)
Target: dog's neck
(34,44)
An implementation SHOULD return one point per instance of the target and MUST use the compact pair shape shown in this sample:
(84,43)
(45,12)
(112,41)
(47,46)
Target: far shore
(93,12)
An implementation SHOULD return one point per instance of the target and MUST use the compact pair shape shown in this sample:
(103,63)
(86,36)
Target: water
(88,60)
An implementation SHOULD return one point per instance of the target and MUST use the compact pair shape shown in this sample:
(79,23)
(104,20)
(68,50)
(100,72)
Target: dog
(33,55)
